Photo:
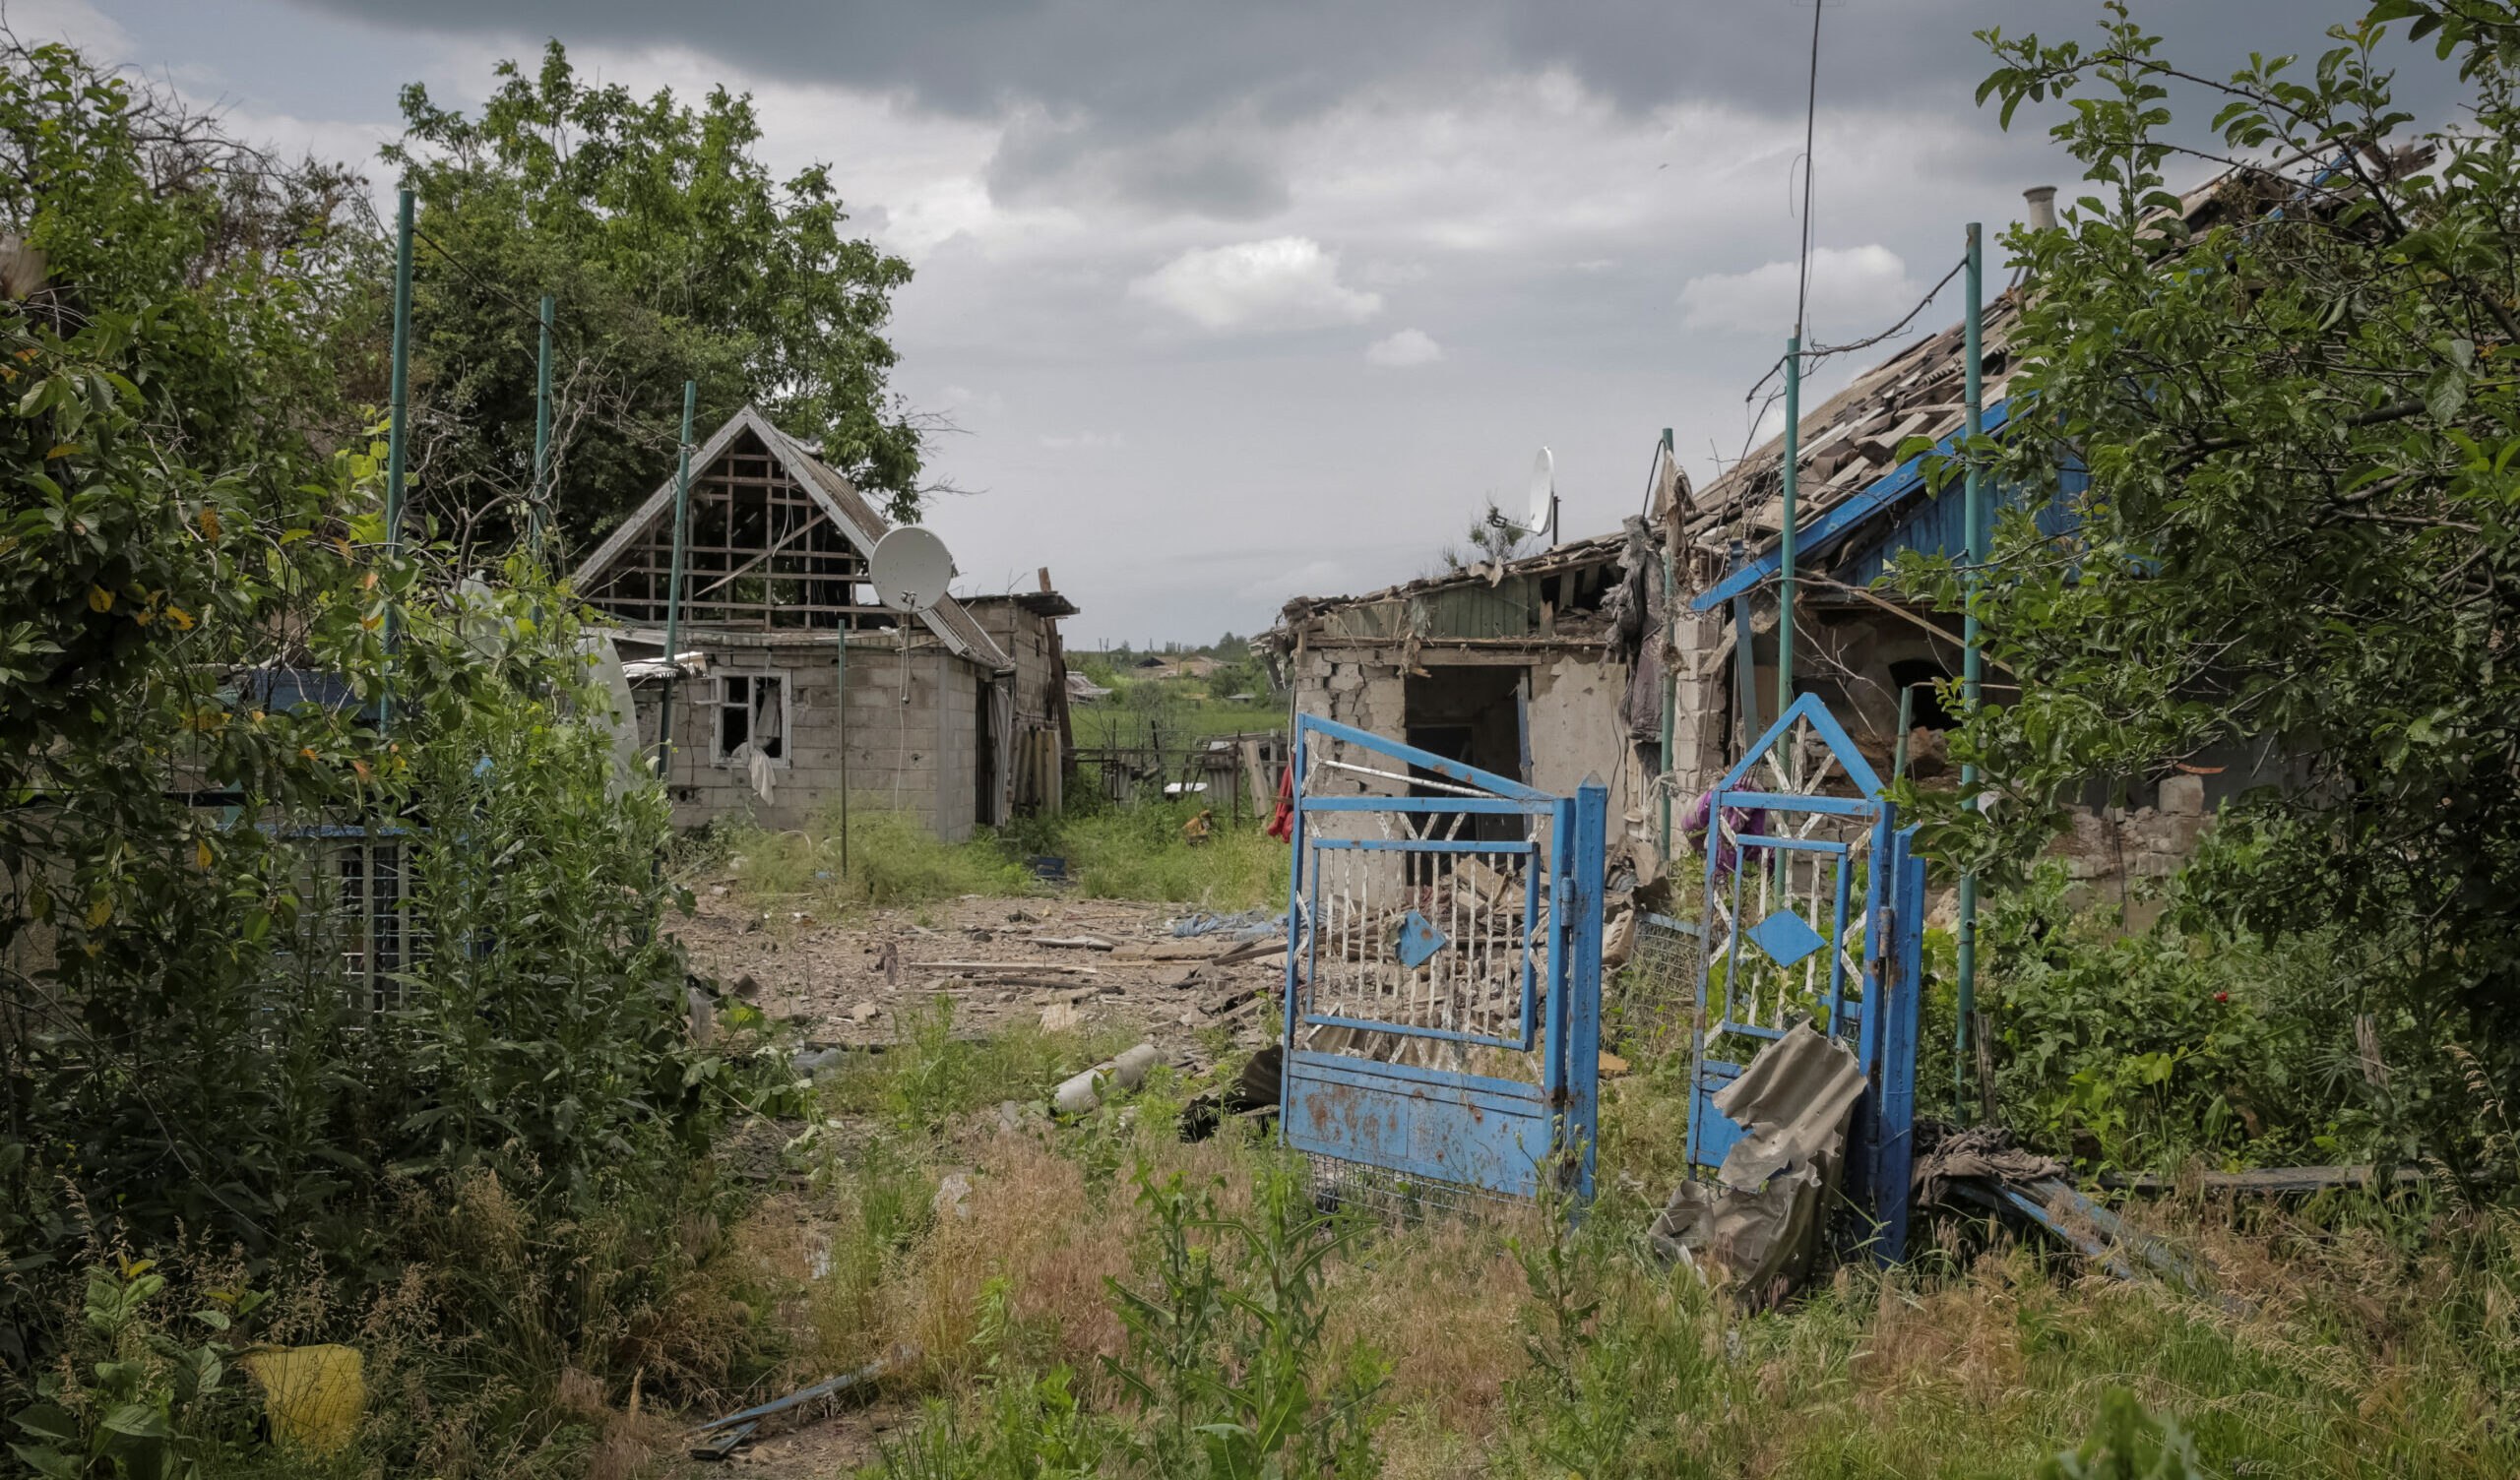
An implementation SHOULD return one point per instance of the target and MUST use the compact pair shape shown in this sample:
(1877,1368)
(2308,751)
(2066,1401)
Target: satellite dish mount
(1541,519)
(909,568)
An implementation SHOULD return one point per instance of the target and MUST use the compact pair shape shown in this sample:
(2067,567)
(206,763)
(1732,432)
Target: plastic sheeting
(1755,1227)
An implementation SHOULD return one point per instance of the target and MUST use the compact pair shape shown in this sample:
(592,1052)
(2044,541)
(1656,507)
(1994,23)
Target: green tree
(2300,424)
(673,256)
(199,615)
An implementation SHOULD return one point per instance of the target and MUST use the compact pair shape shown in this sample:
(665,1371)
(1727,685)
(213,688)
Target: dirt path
(1046,962)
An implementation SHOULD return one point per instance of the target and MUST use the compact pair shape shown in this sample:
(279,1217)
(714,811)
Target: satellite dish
(1544,515)
(909,568)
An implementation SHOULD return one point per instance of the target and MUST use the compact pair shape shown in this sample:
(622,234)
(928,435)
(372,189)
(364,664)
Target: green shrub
(2135,1050)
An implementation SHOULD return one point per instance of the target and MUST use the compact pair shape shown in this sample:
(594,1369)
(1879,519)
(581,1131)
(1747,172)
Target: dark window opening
(1926,711)
(1473,716)
(752,715)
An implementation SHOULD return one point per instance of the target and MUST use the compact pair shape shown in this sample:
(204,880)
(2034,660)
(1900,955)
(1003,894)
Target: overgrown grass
(1139,852)
(1102,1296)
(894,859)
(2363,1336)
(1143,852)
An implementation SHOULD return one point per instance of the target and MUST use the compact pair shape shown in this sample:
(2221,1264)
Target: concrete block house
(956,716)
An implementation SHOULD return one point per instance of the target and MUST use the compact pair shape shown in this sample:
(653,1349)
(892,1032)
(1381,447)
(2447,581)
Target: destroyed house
(1521,668)
(1860,648)
(955,716)
(1648,659)
(1873,654)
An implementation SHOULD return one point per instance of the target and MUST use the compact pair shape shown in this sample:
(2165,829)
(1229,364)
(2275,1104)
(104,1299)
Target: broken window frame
(756,685)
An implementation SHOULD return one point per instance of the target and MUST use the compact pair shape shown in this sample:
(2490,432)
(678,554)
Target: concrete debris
(865,1012)
(1129,1070)
(1076,1096)
(1249,925)
(1062,1017)
(953,1197)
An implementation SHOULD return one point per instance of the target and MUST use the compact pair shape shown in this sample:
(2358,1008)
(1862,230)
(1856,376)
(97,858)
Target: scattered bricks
(2183,796)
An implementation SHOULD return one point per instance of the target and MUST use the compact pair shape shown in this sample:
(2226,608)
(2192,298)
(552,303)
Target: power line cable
(1823,352)
(1811,126)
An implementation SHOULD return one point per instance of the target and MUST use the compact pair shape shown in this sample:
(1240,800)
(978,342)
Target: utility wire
(1823,352)
(1811,126)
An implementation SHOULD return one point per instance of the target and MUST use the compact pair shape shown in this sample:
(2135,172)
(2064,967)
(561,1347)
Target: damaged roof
(1852,482)
(1851,475)
(839,501)
(1494,600)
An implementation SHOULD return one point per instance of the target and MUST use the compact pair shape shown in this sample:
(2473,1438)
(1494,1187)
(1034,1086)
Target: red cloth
(1282,826)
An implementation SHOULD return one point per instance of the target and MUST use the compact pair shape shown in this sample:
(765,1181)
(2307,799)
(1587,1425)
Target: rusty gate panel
(1814,912)
(1444,986)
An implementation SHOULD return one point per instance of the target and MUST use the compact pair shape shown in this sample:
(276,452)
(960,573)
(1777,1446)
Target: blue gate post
(1584,967)
(1895,1156)
(1299,936)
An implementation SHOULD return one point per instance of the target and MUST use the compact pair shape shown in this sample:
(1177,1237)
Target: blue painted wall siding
(1934,525)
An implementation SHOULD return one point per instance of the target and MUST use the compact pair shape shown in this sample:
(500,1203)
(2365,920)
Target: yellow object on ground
(314,1396)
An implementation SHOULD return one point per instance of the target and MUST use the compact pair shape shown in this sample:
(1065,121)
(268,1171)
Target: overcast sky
(1234,301)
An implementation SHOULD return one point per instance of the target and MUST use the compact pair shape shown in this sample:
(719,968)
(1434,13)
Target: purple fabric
(1742,820)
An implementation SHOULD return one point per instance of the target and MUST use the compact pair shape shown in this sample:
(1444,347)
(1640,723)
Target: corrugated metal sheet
(1508,609)
(1368,618)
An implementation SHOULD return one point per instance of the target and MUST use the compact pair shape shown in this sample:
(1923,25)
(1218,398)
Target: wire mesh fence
(1399,1198)
(1653,998)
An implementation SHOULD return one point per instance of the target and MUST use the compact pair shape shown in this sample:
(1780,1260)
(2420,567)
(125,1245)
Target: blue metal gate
(1443,976)
(1784,864)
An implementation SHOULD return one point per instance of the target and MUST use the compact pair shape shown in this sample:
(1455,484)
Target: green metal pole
(1907,712)
(673,584)
(398,438)
(1671,682)
(535,516)
(839,719)
(1974,510)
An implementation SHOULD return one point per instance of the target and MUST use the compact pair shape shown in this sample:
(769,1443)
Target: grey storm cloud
(1173,105)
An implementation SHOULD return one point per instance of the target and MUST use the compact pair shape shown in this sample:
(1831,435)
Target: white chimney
(2043,207)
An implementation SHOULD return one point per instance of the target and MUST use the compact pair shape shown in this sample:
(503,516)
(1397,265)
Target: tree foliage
(672,256)
(200,616)
(2300,424)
